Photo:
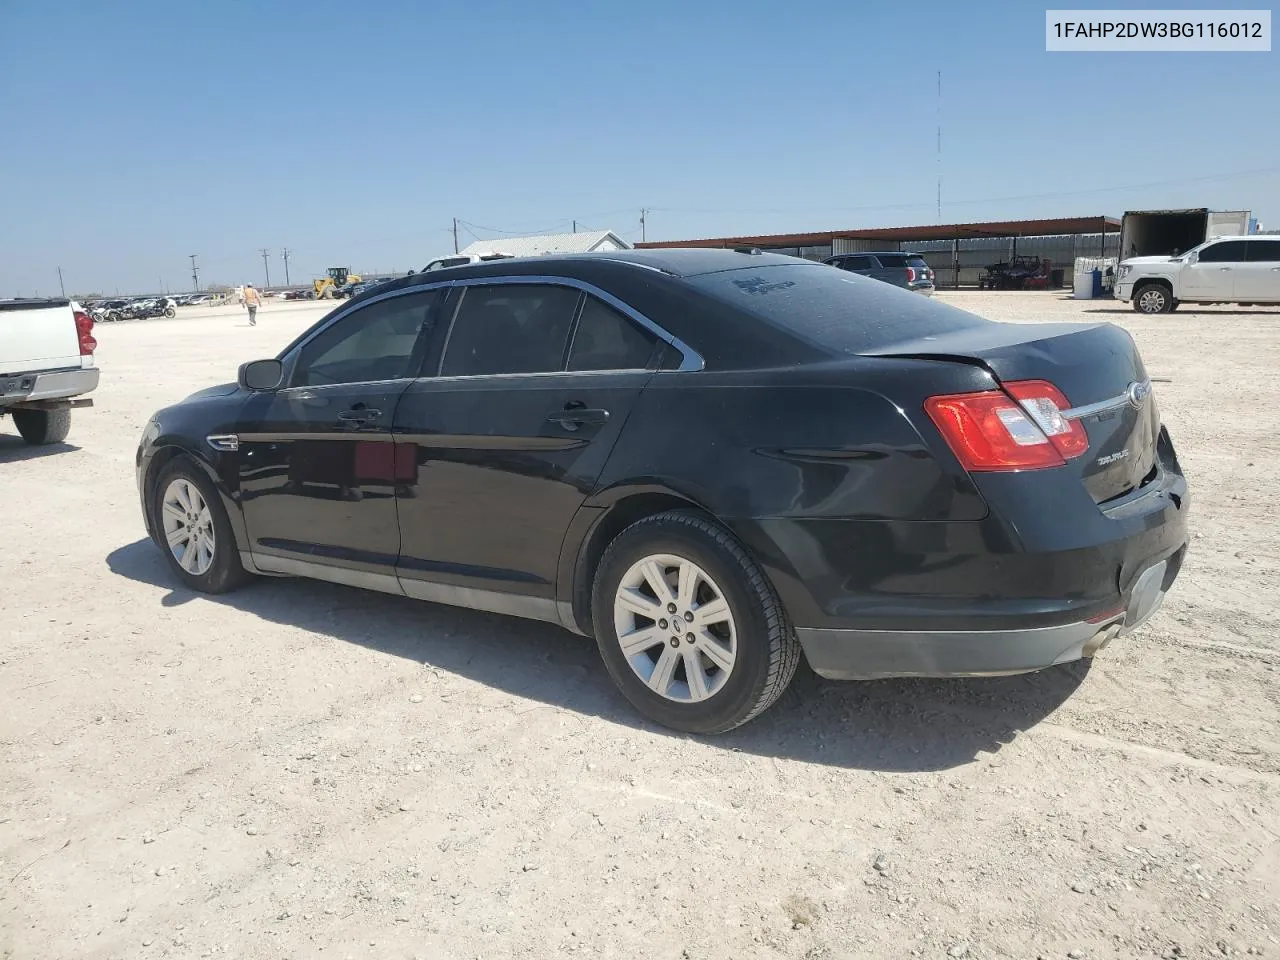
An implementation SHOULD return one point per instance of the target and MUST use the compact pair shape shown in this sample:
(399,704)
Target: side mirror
(259,375)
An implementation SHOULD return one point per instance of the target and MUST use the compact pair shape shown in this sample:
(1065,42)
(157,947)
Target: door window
(606,340)
(510,328)
(1229,251)
(1264,251)
(891,260)
(380,341)
(857,263)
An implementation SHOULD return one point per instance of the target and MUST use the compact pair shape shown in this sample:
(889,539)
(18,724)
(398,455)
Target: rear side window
(837,312)
(889,260)
(917,261)
(510,328)
(1265,251)
(1229,251)
(606,340)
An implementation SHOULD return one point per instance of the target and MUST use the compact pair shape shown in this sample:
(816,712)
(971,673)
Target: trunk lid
(1095,366)
(37,335)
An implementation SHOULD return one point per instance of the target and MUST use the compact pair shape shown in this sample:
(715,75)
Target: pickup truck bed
(46,365)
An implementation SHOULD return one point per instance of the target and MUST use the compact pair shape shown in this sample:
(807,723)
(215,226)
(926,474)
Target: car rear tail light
(84,331)
(911,274)
(1021,429)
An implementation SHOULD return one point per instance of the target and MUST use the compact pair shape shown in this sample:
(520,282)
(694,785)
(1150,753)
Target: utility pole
(939,146)
(265,267)
(60,286)
(575,226)
(643,211)
(284,255)
(455,234)
(195,273)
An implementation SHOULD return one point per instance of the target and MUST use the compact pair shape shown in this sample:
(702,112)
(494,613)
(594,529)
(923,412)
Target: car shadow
(14,449)
(912,725)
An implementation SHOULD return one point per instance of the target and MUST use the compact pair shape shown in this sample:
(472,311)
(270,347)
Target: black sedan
(711,461)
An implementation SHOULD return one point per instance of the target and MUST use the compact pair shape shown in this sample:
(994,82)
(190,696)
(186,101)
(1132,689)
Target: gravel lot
(305,770)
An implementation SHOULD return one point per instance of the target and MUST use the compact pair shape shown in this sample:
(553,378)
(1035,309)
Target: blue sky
(137,133)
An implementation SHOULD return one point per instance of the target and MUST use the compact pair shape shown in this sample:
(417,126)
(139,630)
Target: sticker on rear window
(761,285)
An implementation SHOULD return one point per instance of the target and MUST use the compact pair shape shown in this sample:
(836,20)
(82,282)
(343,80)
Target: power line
(1118,188)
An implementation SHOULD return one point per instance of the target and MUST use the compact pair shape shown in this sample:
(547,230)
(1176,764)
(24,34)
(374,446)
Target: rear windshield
(891,259)
(833,310)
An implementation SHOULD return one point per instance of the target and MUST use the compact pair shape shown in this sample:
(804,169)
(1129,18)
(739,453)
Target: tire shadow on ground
(14,449)
(913,725)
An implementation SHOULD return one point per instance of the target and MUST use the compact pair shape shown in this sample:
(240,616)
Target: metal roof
(583,242)
(950,231)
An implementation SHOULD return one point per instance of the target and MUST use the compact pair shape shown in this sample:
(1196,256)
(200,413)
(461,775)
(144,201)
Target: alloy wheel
(675,628)
(1151,301)
(188,526)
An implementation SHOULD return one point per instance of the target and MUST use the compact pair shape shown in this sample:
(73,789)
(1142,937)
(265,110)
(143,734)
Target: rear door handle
(1224,269)
(577,414)
(359,415)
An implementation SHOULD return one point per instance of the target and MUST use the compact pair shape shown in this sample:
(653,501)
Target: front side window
(379,341)
(1229,251)
(606,340)
(857,263)
(510,328)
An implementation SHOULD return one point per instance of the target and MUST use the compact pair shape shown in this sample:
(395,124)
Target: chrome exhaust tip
(1099,640)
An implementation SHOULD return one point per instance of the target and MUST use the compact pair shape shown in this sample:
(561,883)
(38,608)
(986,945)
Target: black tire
(1152,298)
(768,651)
(170,312)
(40,427)
(225,573)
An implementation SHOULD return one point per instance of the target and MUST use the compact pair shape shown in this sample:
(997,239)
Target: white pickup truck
(46,365)
(1243,270)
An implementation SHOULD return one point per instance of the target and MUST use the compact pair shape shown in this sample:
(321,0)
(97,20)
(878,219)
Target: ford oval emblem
(1138,393)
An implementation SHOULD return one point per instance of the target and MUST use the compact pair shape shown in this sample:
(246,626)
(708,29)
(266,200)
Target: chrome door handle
(1224,269)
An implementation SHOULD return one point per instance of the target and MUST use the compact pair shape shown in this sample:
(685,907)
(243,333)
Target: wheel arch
(167,453)
(594,527)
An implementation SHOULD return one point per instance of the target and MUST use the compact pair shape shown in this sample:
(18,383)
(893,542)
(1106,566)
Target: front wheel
(1153,298)
(194,531)
(689,627)
(170,312)
(41,427)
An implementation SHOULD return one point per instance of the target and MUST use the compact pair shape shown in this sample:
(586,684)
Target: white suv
(1243,270)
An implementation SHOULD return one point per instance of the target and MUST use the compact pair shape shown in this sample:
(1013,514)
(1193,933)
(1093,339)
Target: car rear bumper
(54,385)
(874,654)
(1036,584)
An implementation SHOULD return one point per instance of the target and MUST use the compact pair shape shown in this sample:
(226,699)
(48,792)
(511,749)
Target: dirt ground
(304,770)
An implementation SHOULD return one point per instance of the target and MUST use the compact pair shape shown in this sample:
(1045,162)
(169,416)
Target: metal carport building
(958,252)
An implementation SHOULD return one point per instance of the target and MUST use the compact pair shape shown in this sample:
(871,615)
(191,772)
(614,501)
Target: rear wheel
(192,527)
(39,427)
(1153,298)
(689,627)
(170,312)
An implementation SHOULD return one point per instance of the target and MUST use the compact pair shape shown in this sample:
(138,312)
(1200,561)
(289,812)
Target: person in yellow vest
(252,301)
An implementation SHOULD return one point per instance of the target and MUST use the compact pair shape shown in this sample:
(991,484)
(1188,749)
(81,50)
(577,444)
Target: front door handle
(1224,269)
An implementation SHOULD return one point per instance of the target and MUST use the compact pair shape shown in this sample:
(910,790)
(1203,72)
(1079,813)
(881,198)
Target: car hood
(221,390)
(1145,261)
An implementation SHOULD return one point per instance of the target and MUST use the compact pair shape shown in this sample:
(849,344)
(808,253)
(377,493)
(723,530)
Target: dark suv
(907,270)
